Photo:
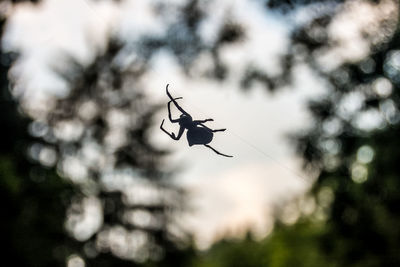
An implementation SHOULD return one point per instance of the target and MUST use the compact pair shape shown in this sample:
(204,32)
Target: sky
(230,195)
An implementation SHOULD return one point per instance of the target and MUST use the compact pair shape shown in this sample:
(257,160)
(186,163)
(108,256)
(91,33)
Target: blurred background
(308,92)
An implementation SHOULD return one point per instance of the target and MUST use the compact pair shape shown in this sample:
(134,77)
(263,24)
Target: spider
(197,132)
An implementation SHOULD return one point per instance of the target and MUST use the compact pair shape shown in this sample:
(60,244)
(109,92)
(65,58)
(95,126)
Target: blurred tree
(353,145)
(33,199)
(100,134)
(113,198)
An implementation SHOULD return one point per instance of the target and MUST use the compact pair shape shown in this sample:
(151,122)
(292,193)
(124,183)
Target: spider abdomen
(199,136)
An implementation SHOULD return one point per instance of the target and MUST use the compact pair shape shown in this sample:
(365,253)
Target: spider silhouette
(197,133)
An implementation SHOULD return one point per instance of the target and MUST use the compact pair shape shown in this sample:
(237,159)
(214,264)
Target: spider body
(197,133)
(199,136)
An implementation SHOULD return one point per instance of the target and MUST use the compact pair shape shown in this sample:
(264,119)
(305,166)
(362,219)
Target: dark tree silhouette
(356,160)
(97,139)
(119,168)
(33,198)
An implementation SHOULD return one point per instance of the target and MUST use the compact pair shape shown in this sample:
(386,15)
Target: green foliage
(356,161)
(295,245)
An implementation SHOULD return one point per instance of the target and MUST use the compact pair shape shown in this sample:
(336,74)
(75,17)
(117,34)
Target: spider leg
(217,130)
(176,103)
(181,130)
(219,153)
(202,121)
(169,111)
(172,135)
